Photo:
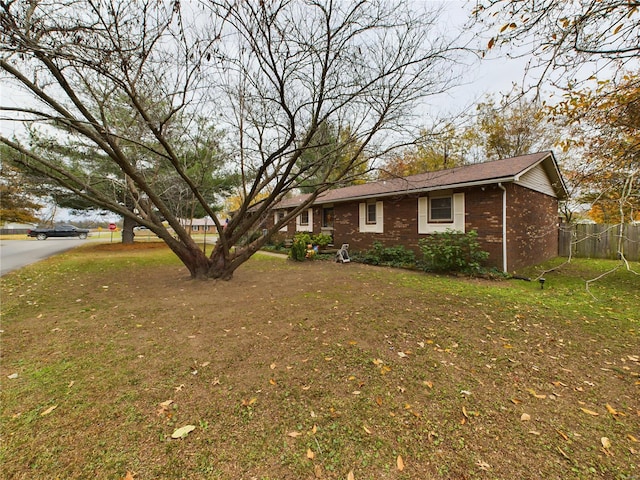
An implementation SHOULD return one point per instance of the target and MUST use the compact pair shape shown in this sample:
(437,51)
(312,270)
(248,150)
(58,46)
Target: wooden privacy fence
(599,241)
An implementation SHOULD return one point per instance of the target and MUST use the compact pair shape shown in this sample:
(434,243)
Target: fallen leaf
(272,366)
(164,407)
(611,410)
(534,394)
(13,376)
(183,431)
(590,412)
(294,434)
(350,476)
(632,438)
(356,392)
(48,410)
(179,388)
(515,401)
(366,429)
(272,381)
(606,443)
(534,432)
(317,471)
(464,412)
(483,465)
(402,355)
(428,383)
(525,417)
(248,403)
(128,476)
(310,454)
(562,434)
(400,463)
(563,454)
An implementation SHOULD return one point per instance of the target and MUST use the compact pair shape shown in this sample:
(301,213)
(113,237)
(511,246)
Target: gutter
(504,226)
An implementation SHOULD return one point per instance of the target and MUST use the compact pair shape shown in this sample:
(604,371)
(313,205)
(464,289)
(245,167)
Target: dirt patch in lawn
(311,370)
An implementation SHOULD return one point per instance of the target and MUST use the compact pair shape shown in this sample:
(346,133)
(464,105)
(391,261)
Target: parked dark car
(59,231)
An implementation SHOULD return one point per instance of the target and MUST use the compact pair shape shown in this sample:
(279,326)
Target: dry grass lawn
(314,370)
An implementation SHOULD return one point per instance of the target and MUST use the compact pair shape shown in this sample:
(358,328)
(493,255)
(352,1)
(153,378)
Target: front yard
(315,370)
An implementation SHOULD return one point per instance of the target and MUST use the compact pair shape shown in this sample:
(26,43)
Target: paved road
(15,254)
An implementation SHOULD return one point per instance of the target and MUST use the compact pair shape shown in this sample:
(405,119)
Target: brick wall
(400,225)
(532,233)
(531,219)
(483,208)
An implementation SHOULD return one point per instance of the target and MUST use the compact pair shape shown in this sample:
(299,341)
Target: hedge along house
(511,203)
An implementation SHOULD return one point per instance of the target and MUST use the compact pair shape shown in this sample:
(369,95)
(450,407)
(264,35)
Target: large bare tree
(565,40)
(269,73)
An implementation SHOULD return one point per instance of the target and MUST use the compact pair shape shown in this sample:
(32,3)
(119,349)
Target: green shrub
(397,256)
(321,240)
(452,251)
(298,251)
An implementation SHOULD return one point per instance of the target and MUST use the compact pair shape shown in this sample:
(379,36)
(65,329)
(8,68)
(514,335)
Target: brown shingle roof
(505,170)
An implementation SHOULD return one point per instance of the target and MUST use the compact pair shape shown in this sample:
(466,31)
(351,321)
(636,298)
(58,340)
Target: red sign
(112,227)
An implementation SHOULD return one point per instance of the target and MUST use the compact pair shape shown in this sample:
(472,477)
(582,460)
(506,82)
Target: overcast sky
(495,74)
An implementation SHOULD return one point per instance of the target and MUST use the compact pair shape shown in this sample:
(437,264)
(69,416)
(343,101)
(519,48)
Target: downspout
(504,226)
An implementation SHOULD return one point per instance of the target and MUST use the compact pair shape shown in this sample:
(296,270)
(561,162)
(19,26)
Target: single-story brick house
(198,225)
(511,203)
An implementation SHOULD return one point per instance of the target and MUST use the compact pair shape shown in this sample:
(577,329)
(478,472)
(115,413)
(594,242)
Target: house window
(441,213)
(279,215)
(327,217)
(371,217)
(440,209)
(194,228)
(371,214)
(304,221)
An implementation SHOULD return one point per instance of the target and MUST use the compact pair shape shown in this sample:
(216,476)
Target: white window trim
(306,227)
(276,214)
(424,227)
(377,227)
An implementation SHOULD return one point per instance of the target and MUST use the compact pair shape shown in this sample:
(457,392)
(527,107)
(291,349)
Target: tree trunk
(222,266)
(127,230)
